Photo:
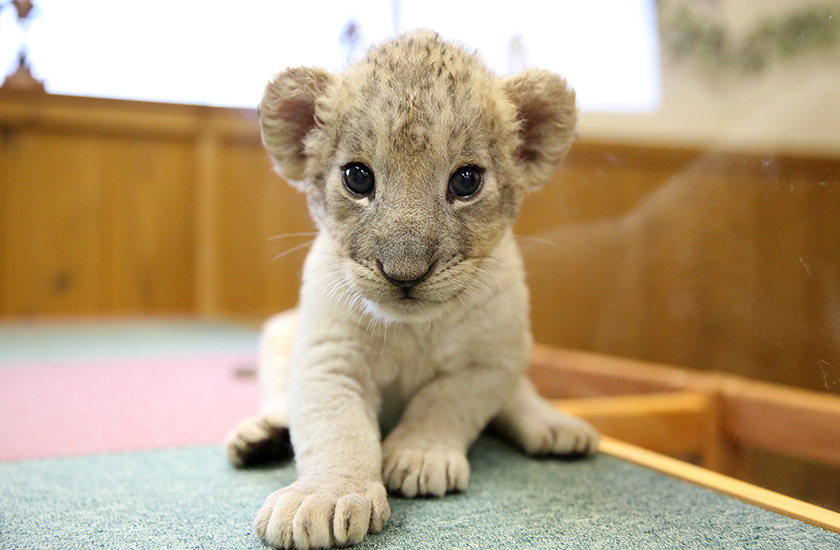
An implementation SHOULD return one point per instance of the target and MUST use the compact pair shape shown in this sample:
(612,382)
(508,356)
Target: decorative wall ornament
(689,35)
(21,78)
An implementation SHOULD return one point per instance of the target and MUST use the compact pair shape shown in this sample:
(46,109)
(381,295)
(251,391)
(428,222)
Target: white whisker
(539,240)
(486,283)
(294,249)
(319,267)
(494,259)
(287,235)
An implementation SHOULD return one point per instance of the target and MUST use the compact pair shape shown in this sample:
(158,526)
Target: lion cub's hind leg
(540,429)
(257,440)
(265,437)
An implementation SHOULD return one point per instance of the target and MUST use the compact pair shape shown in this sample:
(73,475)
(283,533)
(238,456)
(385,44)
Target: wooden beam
(798,423)
(562,373)
(790,421)
(677,423)
(137,118)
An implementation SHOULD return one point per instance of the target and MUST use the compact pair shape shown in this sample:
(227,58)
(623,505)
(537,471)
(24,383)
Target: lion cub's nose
(406,279)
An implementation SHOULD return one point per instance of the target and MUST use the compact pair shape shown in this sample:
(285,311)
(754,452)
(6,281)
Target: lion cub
(413,315)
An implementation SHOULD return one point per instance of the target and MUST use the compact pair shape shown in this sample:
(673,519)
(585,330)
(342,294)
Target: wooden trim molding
(90,115)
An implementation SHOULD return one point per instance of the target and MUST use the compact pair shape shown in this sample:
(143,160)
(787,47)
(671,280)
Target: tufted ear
(547,116)
(287,115)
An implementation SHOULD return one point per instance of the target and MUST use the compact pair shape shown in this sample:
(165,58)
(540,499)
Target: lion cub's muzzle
(403,280)
(407,256)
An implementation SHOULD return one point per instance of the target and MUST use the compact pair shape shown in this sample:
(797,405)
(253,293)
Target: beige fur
(437,358)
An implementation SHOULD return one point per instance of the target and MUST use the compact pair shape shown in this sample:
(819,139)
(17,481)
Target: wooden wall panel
(149,253)
(727,262)
(98,207)
(258,215)
(53,223)
(97,224)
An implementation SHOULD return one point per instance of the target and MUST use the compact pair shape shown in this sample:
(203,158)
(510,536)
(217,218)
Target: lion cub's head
(415,161)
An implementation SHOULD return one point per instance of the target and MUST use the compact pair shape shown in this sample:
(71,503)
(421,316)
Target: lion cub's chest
(407,357)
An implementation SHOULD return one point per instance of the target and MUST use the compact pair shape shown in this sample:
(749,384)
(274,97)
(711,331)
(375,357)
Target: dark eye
(465,182)
(358,179)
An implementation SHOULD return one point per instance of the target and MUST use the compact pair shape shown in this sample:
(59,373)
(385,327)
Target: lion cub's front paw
(258,439)
(434,472)
(322,512)
(558,434)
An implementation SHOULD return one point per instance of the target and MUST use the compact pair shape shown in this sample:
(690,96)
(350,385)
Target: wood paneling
(150,217)
(53,217)
(713,259)
(96,224)
(100,202)
(259,217)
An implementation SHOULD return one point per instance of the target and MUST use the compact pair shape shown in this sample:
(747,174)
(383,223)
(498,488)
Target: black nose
(405,283)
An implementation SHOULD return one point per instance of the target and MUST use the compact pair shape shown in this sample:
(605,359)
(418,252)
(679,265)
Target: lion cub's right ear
(287,115)
(547,117)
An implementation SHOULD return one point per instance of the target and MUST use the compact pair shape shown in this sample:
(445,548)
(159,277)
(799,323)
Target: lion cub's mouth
(406,299)
(410,295)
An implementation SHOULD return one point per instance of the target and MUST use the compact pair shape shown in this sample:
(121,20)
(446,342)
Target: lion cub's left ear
(547,116)
(287,115)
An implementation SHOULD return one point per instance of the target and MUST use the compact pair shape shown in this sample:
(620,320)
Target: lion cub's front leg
(540,429)
(339,495)
(426,452)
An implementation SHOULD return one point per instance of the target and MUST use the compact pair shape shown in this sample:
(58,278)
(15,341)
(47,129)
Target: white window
(192,51)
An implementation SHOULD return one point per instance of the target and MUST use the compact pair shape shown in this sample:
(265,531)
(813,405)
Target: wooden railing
(711,419)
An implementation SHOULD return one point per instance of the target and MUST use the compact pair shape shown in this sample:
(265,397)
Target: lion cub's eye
(465,182)
(358,179)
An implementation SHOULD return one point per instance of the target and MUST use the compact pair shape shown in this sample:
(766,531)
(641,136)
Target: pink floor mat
(120,404)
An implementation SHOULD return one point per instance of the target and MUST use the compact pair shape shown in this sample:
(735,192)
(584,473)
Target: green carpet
(190,498)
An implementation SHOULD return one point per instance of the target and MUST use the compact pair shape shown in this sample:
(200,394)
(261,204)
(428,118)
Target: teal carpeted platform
(190,498)
(92,340)
(158,383)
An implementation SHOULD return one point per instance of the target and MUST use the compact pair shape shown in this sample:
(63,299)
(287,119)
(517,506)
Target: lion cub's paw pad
(257,440)
(425,473)
(316,515)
